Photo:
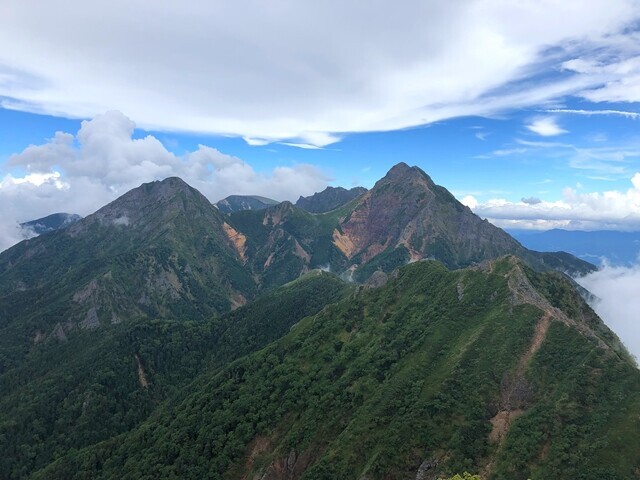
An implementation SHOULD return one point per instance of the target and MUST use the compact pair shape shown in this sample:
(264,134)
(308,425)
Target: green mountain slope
(495,369)
(238,203)
(329,199)
(159,251)
(92,387)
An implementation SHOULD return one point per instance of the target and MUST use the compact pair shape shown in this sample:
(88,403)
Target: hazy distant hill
(50,223)
(238,203)
(619,248)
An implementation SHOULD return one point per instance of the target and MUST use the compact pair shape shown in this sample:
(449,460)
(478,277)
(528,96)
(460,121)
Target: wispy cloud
(611,160)
(621,113)
(278,77)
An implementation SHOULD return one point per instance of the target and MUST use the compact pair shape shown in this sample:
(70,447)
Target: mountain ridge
(238,203)
(482,369)
(160,337)
(52,222)
(329,199)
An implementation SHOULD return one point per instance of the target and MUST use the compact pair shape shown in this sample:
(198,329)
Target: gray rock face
(426,469)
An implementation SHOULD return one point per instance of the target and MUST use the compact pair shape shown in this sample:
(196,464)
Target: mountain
(91,387)
(49,223)
(618,248)
(329,199)
(162,338)
(238,203)
(495,369)
(159,251)
(163,251)
(405,217)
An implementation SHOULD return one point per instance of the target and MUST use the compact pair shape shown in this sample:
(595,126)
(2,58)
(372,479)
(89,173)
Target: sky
(528,111)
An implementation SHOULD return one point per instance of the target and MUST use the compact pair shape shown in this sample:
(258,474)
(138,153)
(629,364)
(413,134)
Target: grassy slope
(74,394)
(388,378)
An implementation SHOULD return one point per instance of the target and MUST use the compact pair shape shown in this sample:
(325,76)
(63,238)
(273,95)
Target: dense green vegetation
(121,354)
(389,378)
(76,393)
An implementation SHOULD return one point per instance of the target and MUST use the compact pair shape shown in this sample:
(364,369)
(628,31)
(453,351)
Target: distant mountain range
(160,337)
(329,199)
(618,248)
(49,223)
(320,202)
(238,203)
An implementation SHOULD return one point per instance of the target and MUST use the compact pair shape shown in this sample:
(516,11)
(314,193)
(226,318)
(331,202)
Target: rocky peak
(329,199)
(278,213)
(403,172)
(149,203)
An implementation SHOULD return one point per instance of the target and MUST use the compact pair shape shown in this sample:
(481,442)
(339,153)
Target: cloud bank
(82,172)
(609,210)
(308,73)
(619,302)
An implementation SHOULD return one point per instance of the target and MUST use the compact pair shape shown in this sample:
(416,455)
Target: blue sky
(527,112)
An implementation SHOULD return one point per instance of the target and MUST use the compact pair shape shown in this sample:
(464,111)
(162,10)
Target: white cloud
(546,127)
(82,172)
(469,201)
(605,161)
(619,302)
(305,73)
(621,113)
(613,210)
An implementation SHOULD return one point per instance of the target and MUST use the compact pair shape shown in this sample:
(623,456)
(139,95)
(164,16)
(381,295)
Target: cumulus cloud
(270,72)
(609,210)
(78,173)
(618,301)
(546,127)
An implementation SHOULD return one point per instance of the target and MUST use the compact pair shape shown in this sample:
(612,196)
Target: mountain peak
(164,188)
(403,172)
(329,199)
(236,203)
(150,203)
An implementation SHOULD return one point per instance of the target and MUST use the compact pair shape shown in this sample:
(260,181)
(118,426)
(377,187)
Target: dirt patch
(237,300)
(515,390)
(300,252)
(501,423)
(344,243)
(237,239)
(258,446)
(142,378)
(538,337)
